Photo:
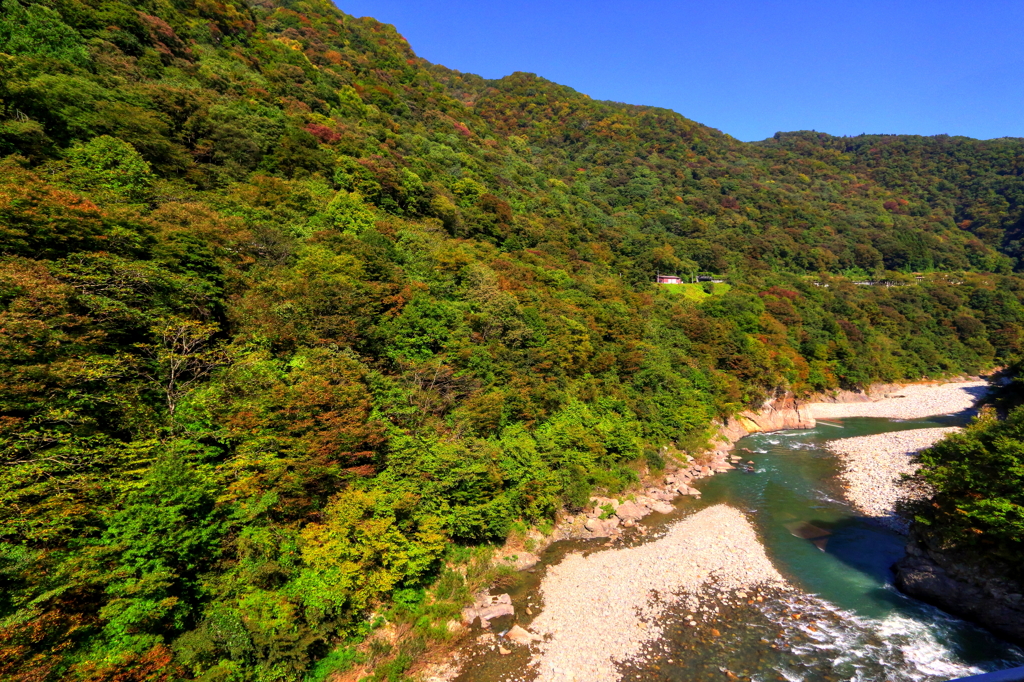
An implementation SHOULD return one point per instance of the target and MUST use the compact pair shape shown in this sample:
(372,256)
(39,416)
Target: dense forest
(976,515)
(291,320)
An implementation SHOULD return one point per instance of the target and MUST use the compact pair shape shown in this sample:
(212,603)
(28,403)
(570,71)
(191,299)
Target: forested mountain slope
(288,316)
(794,203)
(978,184)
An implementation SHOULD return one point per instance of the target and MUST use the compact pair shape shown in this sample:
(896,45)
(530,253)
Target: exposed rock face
(779,414)
(786,412)
(954,584)
(872,393)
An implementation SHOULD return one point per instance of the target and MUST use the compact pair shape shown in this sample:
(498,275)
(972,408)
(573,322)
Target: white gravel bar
(600,610)
(873,468)
(915,401)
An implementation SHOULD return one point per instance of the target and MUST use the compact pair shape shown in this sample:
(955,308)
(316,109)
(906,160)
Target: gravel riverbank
(915,401)
(873,467)
(601,609)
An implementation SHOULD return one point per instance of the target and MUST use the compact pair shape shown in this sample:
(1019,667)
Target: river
(844,621)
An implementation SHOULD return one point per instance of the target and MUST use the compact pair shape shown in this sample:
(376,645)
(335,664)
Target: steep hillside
(290,318)
(788,204)
(976,184)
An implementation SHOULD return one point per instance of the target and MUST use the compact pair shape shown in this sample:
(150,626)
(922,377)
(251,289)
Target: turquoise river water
(845,621)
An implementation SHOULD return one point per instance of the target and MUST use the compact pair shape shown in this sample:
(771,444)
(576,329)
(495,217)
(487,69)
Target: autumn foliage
(289,318)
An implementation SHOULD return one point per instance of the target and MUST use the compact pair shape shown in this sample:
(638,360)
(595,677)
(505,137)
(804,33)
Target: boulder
(488,606)
(631,511)
(663,508)
(599,502)
(522,560)
(602,529)
(522,636)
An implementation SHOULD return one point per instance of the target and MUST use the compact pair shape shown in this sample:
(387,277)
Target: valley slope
(291,320)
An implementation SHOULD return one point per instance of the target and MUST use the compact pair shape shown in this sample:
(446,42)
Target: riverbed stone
(520,635)
(487,607)
(596,605)
(599,502)
(631,511)
(602,528)
(873,470)
(662,508)
(522,560)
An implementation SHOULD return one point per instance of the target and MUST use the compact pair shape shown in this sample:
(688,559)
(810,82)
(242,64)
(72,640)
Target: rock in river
(489,606)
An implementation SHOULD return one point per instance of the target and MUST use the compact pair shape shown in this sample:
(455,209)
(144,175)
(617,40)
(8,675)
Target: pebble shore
(597,615)
(915,401)
(873,468)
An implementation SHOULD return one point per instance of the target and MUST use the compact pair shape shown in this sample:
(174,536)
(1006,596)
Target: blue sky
(749,68)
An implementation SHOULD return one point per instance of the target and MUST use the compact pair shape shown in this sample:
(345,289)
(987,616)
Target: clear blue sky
(747,67)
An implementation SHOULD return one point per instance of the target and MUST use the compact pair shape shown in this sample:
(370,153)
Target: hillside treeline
(290,317)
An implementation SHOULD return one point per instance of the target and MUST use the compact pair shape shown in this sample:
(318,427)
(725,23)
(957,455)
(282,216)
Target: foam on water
(802,637)
(822,496)
(896,648)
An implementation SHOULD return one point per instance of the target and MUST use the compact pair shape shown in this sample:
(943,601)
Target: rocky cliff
(779,414)
(789,412)
(956,583)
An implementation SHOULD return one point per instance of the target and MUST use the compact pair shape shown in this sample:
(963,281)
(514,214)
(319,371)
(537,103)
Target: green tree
(109,165)
(39,30)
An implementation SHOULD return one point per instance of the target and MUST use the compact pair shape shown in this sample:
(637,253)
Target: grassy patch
(695,292)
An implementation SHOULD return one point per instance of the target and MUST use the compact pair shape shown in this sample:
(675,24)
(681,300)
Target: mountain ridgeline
(291,320)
